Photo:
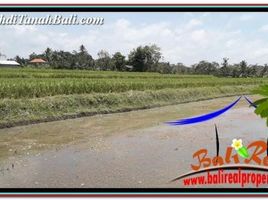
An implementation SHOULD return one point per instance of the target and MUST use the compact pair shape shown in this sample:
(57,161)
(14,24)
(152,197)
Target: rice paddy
(30,95)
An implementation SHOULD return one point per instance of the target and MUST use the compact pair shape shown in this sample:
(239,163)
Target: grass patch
(26,111)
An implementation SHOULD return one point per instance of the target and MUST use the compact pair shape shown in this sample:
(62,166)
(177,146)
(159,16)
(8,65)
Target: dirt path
(134,149)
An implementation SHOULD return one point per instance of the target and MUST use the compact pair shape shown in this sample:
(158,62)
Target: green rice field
(36,95)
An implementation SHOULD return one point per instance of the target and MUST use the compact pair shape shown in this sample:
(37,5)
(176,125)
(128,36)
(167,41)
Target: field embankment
(38,95)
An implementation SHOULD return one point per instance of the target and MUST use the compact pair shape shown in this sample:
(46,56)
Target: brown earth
(133,149)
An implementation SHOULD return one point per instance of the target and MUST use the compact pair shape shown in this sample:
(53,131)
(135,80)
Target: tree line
(141,59)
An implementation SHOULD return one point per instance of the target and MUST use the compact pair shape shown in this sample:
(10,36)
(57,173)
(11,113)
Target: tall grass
(33,87)
(32,95)
(24,111)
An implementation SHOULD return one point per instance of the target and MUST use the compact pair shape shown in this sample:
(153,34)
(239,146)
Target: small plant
(262,104)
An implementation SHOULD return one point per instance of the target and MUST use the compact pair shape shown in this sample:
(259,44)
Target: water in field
(134,149)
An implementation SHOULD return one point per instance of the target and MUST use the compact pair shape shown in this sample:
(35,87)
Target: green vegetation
(262,104)
(146,58)
(34,95)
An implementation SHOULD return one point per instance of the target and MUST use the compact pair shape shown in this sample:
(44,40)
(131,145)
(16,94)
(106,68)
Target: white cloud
(193,23)
(198,35)
(187,42)
(231,43)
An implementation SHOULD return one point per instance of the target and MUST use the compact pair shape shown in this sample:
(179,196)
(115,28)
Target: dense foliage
(142,59)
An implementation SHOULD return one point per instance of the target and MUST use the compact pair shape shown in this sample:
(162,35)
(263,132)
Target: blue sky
(182,37)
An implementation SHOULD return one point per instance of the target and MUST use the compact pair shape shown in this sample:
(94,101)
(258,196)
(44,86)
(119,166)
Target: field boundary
(90,114)
(31,96)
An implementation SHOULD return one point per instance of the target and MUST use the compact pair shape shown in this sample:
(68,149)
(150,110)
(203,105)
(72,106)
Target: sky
(182,36)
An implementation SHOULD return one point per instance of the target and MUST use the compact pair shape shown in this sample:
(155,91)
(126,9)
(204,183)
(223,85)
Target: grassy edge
(17,112)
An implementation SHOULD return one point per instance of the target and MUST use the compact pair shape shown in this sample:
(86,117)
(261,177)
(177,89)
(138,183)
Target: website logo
(234,166)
